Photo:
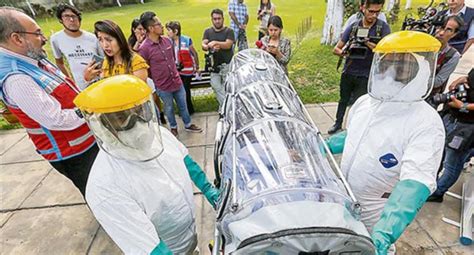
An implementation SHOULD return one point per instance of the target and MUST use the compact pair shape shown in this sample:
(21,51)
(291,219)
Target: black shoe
(162,118)
(335,128)
(435,198)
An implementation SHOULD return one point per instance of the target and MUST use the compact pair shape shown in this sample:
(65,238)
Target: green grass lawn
(194,16)
(312,68)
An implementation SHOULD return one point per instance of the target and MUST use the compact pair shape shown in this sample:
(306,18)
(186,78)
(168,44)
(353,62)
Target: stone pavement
(43,213)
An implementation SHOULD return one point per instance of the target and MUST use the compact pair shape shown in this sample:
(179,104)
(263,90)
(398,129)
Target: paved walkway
(42,213)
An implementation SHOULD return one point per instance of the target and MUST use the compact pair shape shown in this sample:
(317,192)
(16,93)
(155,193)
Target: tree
(389,5)
(333,22)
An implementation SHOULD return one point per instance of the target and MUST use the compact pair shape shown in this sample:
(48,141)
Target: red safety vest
(184,56)
(57,145)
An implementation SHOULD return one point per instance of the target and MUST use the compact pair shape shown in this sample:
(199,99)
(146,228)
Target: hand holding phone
(98,60)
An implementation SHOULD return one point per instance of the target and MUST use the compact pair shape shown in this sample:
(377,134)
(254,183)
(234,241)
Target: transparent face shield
(402,77)
(131,134)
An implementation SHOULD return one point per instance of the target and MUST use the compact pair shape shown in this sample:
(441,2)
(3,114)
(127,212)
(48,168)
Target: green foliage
(351,7)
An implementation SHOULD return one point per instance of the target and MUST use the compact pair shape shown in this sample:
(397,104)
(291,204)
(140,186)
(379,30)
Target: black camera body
(460,93)
(429,22)
(356,47)
(209,62)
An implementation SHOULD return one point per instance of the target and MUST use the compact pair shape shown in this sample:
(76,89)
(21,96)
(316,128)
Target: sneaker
(335,128)
(193,128)
(174,131)
(163,120)
(435,198)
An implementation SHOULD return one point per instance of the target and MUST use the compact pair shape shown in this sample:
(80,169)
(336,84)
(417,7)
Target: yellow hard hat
(407,41)
(117,93)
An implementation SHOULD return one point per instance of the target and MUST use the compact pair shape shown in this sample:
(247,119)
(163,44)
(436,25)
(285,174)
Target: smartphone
(98,59)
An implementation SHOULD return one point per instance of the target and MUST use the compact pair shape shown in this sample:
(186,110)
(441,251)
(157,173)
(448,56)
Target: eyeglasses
(37,33)
(73,17)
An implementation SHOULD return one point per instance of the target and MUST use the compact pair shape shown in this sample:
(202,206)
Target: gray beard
(36,54)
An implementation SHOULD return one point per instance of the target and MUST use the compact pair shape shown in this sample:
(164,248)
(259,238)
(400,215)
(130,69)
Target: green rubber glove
(406,200)
(161,249)
(336,142)
(200,180)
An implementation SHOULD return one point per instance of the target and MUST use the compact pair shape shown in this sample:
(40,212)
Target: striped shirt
(23,92)
(240,11)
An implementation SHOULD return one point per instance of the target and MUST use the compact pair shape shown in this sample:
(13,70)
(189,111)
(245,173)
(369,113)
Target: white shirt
(78,52)
(23,92)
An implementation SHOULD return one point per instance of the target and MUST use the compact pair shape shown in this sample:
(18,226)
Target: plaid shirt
(240,11)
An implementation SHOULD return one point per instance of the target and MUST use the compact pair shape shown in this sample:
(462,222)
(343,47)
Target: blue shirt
(361,67)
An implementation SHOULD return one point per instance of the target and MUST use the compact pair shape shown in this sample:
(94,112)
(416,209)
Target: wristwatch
(464,107)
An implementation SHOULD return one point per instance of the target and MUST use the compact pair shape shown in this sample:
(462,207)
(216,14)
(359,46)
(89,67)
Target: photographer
(358,16)
(448,57)
(356,71)
(218,41)
(459,124)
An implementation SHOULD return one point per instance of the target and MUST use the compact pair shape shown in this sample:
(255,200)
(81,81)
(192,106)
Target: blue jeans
(454,159)
(179,97)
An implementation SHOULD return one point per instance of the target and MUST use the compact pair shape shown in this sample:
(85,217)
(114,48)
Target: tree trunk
(389,5)
(333,22)
(408,5)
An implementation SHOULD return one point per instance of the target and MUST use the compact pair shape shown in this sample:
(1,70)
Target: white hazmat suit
(381,134)
(391,136)
(394,141)
(157,193)
(139,187)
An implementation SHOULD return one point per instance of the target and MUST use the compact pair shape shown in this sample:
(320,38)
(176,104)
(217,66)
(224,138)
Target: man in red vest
(41,97)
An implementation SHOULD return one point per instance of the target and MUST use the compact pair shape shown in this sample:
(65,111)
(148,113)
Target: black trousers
(351,88)
(77,168)
(187,87)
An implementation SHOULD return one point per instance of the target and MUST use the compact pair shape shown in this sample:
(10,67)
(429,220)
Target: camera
(209,62)
(429,22)
(356,47)
(459,93)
